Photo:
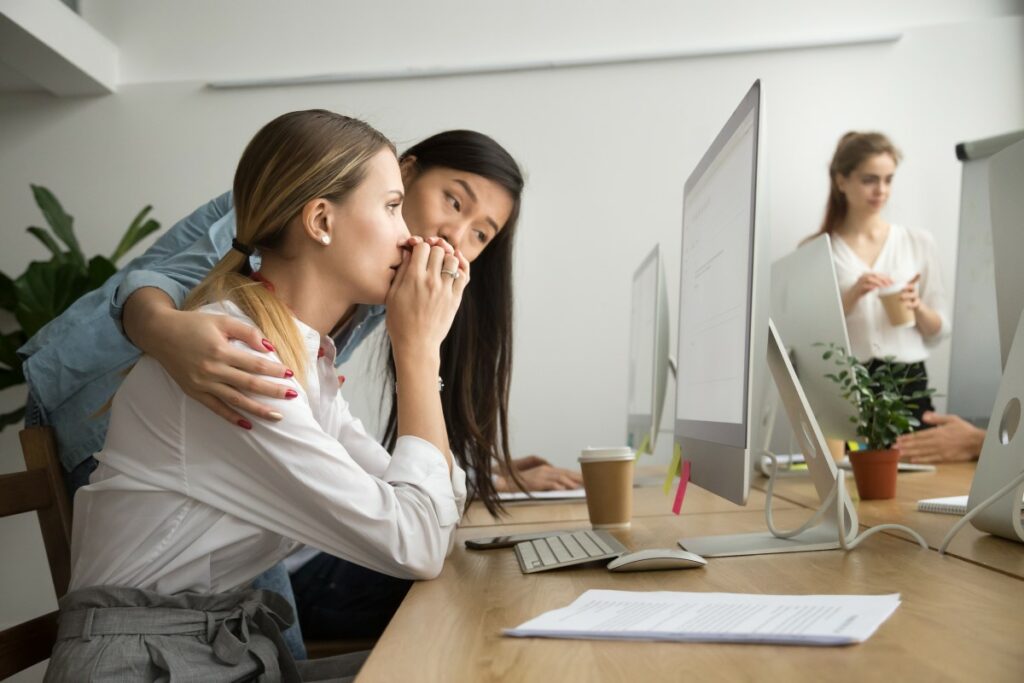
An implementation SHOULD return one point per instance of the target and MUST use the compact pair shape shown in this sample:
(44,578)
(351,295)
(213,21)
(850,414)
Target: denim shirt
(77,361)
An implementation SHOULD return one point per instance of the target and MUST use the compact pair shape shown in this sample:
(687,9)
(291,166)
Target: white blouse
(906,252)
(184,501)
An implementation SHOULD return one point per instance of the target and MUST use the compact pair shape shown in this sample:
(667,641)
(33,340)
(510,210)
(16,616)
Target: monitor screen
(715,287)
(643,330)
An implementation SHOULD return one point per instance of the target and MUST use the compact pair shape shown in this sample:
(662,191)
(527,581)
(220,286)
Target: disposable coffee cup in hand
(900,315)
(608,480)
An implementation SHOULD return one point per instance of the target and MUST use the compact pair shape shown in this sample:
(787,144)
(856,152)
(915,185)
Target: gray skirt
(109,633)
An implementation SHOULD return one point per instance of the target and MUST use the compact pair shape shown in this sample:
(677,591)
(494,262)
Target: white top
(184,501)
(906,252)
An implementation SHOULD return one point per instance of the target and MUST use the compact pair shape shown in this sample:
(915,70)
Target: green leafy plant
(884,411)
(47,288)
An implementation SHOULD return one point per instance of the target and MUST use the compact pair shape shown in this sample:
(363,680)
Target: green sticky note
(673,468)
(645,446)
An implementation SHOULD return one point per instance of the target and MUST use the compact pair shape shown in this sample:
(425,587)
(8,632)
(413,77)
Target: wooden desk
(948,480)
(958,621)
(647,502)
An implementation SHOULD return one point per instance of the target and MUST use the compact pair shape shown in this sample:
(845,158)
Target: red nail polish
(267,345)
(288,373)
(321,353)
(245,424)
(291,393)
(341,380)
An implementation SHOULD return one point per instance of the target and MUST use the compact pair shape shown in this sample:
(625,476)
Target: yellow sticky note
(645,446)
(673,468)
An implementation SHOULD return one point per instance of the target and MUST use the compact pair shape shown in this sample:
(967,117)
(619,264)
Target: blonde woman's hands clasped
(425,295)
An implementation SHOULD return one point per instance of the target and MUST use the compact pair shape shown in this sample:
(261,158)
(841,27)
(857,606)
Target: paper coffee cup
(898,313)
(608,481)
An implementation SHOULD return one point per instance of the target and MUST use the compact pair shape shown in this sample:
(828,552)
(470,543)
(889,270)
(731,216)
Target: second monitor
(808,311)
(648,354)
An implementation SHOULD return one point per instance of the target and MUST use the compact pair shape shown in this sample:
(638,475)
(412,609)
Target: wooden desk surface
(958,621)
(647,501)
(948,480)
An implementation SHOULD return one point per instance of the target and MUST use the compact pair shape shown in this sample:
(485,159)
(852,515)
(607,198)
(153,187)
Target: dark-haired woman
(871,254)
(461,186)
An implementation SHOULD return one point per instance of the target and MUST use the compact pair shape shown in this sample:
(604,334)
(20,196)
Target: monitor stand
(820,465)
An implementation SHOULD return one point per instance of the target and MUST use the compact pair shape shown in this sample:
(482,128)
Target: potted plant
(47,288)
(884,412)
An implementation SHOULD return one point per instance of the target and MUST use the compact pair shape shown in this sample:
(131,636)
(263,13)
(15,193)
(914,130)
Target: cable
(850,544)
(847,540)
(769,521)
(974,513)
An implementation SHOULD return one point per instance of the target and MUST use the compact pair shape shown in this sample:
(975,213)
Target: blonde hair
(297,157)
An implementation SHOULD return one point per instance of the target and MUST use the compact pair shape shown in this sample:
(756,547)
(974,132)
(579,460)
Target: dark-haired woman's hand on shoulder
(197,352)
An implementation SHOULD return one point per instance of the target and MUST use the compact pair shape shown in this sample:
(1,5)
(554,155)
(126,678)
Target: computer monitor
(807,310)
(1002,455)
(978,344)
(648,354)
(1007,206)
(723,306)
(727,344)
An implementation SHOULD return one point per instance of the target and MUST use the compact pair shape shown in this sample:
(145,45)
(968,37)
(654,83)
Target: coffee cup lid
(591,454)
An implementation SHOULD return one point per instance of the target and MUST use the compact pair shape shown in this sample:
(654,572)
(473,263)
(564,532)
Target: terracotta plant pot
(875,473)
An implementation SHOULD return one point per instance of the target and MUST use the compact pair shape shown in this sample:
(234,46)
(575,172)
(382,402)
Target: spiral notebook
(953,505)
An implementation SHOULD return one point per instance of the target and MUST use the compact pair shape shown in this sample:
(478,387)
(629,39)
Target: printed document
(715,617)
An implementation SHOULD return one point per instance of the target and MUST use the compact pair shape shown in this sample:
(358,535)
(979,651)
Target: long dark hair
(476,357)
(853,148)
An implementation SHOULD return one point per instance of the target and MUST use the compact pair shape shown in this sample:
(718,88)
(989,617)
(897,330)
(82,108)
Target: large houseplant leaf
(59,221)
(139,229)
(45,290)
(8,294)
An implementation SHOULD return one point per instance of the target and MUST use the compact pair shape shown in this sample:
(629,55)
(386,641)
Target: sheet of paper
(715,617)
(573,494)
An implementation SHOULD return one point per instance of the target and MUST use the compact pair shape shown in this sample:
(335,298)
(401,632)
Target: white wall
(606,149)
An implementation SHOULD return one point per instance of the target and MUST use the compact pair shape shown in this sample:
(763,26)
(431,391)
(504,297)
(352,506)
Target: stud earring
(325,239)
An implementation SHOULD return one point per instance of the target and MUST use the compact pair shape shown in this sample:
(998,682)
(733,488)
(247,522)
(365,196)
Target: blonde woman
(186,509)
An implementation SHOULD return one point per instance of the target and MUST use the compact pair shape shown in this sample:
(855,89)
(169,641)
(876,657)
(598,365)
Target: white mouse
(656,558)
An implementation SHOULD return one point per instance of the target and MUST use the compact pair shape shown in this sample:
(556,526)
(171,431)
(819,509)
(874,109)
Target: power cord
(839,488)
(1016,481)
(857,538)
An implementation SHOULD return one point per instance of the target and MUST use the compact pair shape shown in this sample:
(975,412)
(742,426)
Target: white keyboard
(566,550)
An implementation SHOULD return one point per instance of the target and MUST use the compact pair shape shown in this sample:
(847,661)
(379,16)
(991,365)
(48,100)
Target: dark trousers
(340,600)
(920,374)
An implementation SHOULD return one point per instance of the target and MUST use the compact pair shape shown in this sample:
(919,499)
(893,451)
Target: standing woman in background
(870,254)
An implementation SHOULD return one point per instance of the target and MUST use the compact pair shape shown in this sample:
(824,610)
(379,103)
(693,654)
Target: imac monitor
(807,310)
(723,307)
(1007,206)
(648,354)
(727,345)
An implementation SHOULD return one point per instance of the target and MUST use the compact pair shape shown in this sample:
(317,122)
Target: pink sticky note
(684,477)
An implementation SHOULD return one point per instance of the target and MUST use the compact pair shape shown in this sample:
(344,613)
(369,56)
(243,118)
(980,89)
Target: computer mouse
(656,558)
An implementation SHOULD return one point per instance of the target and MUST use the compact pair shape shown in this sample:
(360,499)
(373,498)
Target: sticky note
(684,477)
(673,467)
